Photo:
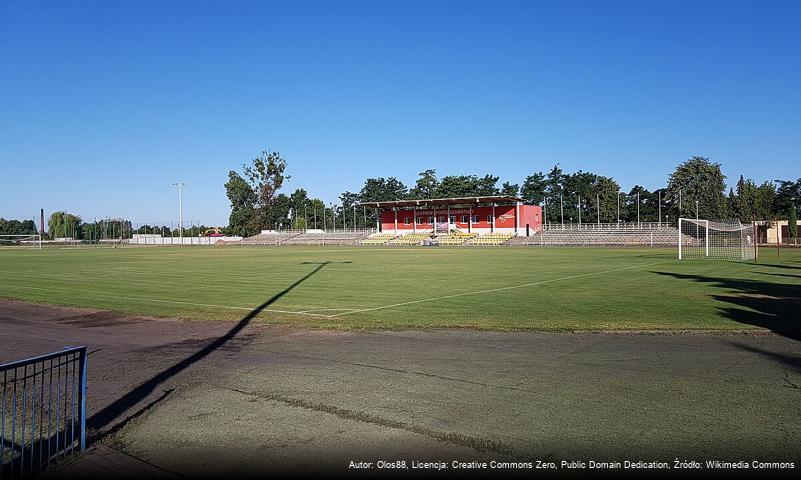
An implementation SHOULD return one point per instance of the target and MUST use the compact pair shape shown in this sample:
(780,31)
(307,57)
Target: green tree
(535,188)
(346,210)
(745,200)
(277,216)
(63,225)
(487,186)
(731,204)
(792,223)
(243,198)
(299,201)
(554,192)
(577,189)
(426,185)
(108,229)
(382,190)
(628,208)
(17,227)
(786,191)
(606,190)
(765,199)
(754,201)
(314,213)
(467,186)
(265,175)
(510,190)
(699,180)
(456,186)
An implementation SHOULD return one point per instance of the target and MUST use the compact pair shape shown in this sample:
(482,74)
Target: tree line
(17,227)
(66,225)
(695,188)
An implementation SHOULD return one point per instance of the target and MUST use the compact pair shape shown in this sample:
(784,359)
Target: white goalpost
(715,240)
(30,241)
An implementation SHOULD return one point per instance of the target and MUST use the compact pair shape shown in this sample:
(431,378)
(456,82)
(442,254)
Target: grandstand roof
(442,201)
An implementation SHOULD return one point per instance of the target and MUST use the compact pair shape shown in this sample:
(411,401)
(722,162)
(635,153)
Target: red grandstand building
(481,215)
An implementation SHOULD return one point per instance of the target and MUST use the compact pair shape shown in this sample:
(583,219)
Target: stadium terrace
(481,215)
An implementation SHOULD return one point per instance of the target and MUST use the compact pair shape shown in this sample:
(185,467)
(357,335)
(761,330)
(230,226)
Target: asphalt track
(204,397)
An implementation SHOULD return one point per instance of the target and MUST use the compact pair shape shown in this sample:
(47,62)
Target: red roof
(428,202)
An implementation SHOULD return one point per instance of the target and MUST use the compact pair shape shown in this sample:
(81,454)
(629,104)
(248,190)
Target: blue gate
(42,411)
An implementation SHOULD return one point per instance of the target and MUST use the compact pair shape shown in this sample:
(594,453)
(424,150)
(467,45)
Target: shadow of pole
(105,416)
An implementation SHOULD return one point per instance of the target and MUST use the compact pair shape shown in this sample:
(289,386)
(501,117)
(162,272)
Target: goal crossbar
(715,239)
(33,241)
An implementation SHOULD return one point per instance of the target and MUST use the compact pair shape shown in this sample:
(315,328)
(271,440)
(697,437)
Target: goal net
(715,239)
(30,241)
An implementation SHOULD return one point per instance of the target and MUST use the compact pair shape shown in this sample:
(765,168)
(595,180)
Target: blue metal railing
(42,411)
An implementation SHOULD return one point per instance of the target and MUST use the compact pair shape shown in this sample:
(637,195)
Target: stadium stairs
(302,238)
(378,239)
(276,238)
(662,236)
(327,238)
(455,238)
(491,239)
(410,239)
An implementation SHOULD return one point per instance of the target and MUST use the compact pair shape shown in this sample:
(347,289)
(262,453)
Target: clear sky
(103,105)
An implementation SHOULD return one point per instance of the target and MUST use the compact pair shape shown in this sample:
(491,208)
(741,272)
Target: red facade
(508,218)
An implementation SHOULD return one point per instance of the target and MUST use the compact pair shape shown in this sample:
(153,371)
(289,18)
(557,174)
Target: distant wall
(150,239)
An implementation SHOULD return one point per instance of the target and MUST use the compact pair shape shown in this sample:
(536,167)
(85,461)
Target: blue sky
(103,105)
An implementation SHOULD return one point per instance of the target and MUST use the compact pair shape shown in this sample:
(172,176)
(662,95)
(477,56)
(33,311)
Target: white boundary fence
(593,227)
(154,239)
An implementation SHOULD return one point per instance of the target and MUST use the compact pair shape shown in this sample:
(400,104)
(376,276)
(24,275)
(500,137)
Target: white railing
(319,231)
(556,227)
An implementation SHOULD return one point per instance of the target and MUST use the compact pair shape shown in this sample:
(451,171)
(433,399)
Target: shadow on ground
(107,415)
(773,306)
(791,361)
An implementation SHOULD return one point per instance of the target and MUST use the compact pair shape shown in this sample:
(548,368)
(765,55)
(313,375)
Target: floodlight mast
(180,186)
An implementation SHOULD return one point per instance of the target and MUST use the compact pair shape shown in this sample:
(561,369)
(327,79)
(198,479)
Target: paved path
(267,397)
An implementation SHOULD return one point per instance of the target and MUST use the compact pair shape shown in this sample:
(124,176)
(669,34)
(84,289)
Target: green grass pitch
(404,288)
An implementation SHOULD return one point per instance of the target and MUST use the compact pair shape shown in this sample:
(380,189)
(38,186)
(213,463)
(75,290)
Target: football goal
(30,241)
(715,240)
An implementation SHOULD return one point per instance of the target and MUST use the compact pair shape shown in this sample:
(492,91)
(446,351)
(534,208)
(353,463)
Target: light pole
(618,207)
(545,212)
(562,210)
(579,210)
(795,215)
(598,208)
(696,209)
(638,209)
(180,186)
(660,208)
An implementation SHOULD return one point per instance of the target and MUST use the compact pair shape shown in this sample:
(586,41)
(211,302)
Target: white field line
(326,310)
(499,289)
(82,276)
(176,302)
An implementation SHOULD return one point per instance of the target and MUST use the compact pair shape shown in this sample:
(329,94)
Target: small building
(776,232)
(481,215)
